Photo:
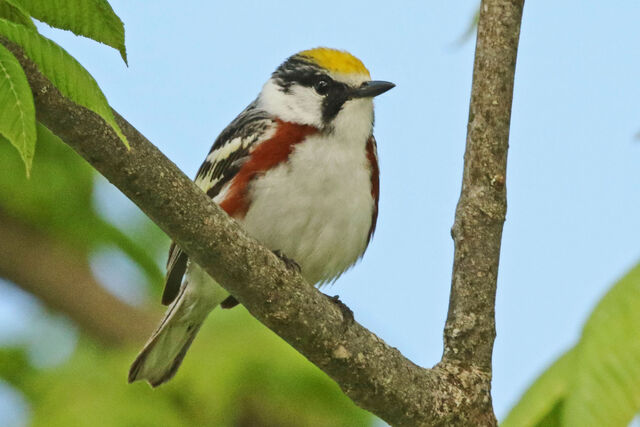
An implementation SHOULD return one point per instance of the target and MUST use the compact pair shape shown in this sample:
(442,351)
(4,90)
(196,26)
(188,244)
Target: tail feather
(179,358)
(163,353)
(158,368)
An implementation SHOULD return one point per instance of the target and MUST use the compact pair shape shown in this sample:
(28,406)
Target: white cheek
(300,105)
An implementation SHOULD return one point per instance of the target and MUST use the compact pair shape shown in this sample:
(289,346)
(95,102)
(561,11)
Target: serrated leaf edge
(23,120)
(108,116)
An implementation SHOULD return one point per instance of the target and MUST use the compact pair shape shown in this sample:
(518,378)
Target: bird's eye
(322,86)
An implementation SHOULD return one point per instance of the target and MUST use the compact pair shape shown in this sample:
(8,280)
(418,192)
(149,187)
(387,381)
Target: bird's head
(325,88)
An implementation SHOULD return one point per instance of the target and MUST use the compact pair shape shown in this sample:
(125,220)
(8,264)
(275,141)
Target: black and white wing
(223,162)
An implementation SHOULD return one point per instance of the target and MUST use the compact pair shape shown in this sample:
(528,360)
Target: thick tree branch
(376,376)
(60,276)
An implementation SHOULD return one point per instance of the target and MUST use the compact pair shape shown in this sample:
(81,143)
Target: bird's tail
(163,353)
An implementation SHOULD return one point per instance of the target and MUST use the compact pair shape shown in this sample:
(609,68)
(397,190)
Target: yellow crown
(337,61)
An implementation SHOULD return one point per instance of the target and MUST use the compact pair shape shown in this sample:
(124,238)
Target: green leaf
(541,403)
(17,113)
(58,199)
(71,78)
(598,381)
(94,19)
(14,13)
(46,136)
(606,389)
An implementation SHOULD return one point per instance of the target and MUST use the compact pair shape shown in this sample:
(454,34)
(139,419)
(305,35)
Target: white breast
(316,208)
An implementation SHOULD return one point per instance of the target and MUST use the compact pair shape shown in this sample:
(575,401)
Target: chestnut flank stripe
(265,156)
(375,182)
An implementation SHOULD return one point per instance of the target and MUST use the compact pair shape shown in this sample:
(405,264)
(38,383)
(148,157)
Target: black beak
(371,89)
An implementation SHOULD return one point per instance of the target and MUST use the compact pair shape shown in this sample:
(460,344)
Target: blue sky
(573,222)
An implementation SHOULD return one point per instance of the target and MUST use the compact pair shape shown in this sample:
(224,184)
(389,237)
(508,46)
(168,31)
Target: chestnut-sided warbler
(298,170)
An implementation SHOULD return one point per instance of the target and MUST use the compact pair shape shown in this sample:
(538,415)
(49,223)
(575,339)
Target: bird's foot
(347,314)
(230,302)
(290,263)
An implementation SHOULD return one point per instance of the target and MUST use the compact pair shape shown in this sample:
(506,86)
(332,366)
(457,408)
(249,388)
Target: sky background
(573,179)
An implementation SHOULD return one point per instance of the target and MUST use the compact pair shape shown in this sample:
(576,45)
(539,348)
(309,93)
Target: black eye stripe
(297,70)
(332,105)
(301,71)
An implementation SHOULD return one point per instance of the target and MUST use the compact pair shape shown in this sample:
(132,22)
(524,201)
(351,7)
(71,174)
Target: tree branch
(376,376)
(480,215)
(62,279)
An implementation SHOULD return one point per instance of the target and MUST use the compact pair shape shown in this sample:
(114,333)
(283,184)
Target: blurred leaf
(101,231)
(598,381)
(94,19)
(238,373)
(471,29)
(540,405)
(63,70)
(58,199)
(14,365)
(554,417)
(606,390)
(14,13)
(17,112)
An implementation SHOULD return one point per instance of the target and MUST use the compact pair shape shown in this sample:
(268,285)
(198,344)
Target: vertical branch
(477,230)
(469,332)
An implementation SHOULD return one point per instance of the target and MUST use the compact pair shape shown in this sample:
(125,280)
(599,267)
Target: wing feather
(176,267)
(227,154)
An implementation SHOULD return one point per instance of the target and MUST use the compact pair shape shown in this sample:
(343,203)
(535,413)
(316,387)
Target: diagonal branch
(373,374)
(376,376)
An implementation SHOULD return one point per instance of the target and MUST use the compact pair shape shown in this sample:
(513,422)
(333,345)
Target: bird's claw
(290,263)
(347,314)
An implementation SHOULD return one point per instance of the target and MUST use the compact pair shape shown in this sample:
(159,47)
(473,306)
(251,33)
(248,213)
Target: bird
(298,170)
